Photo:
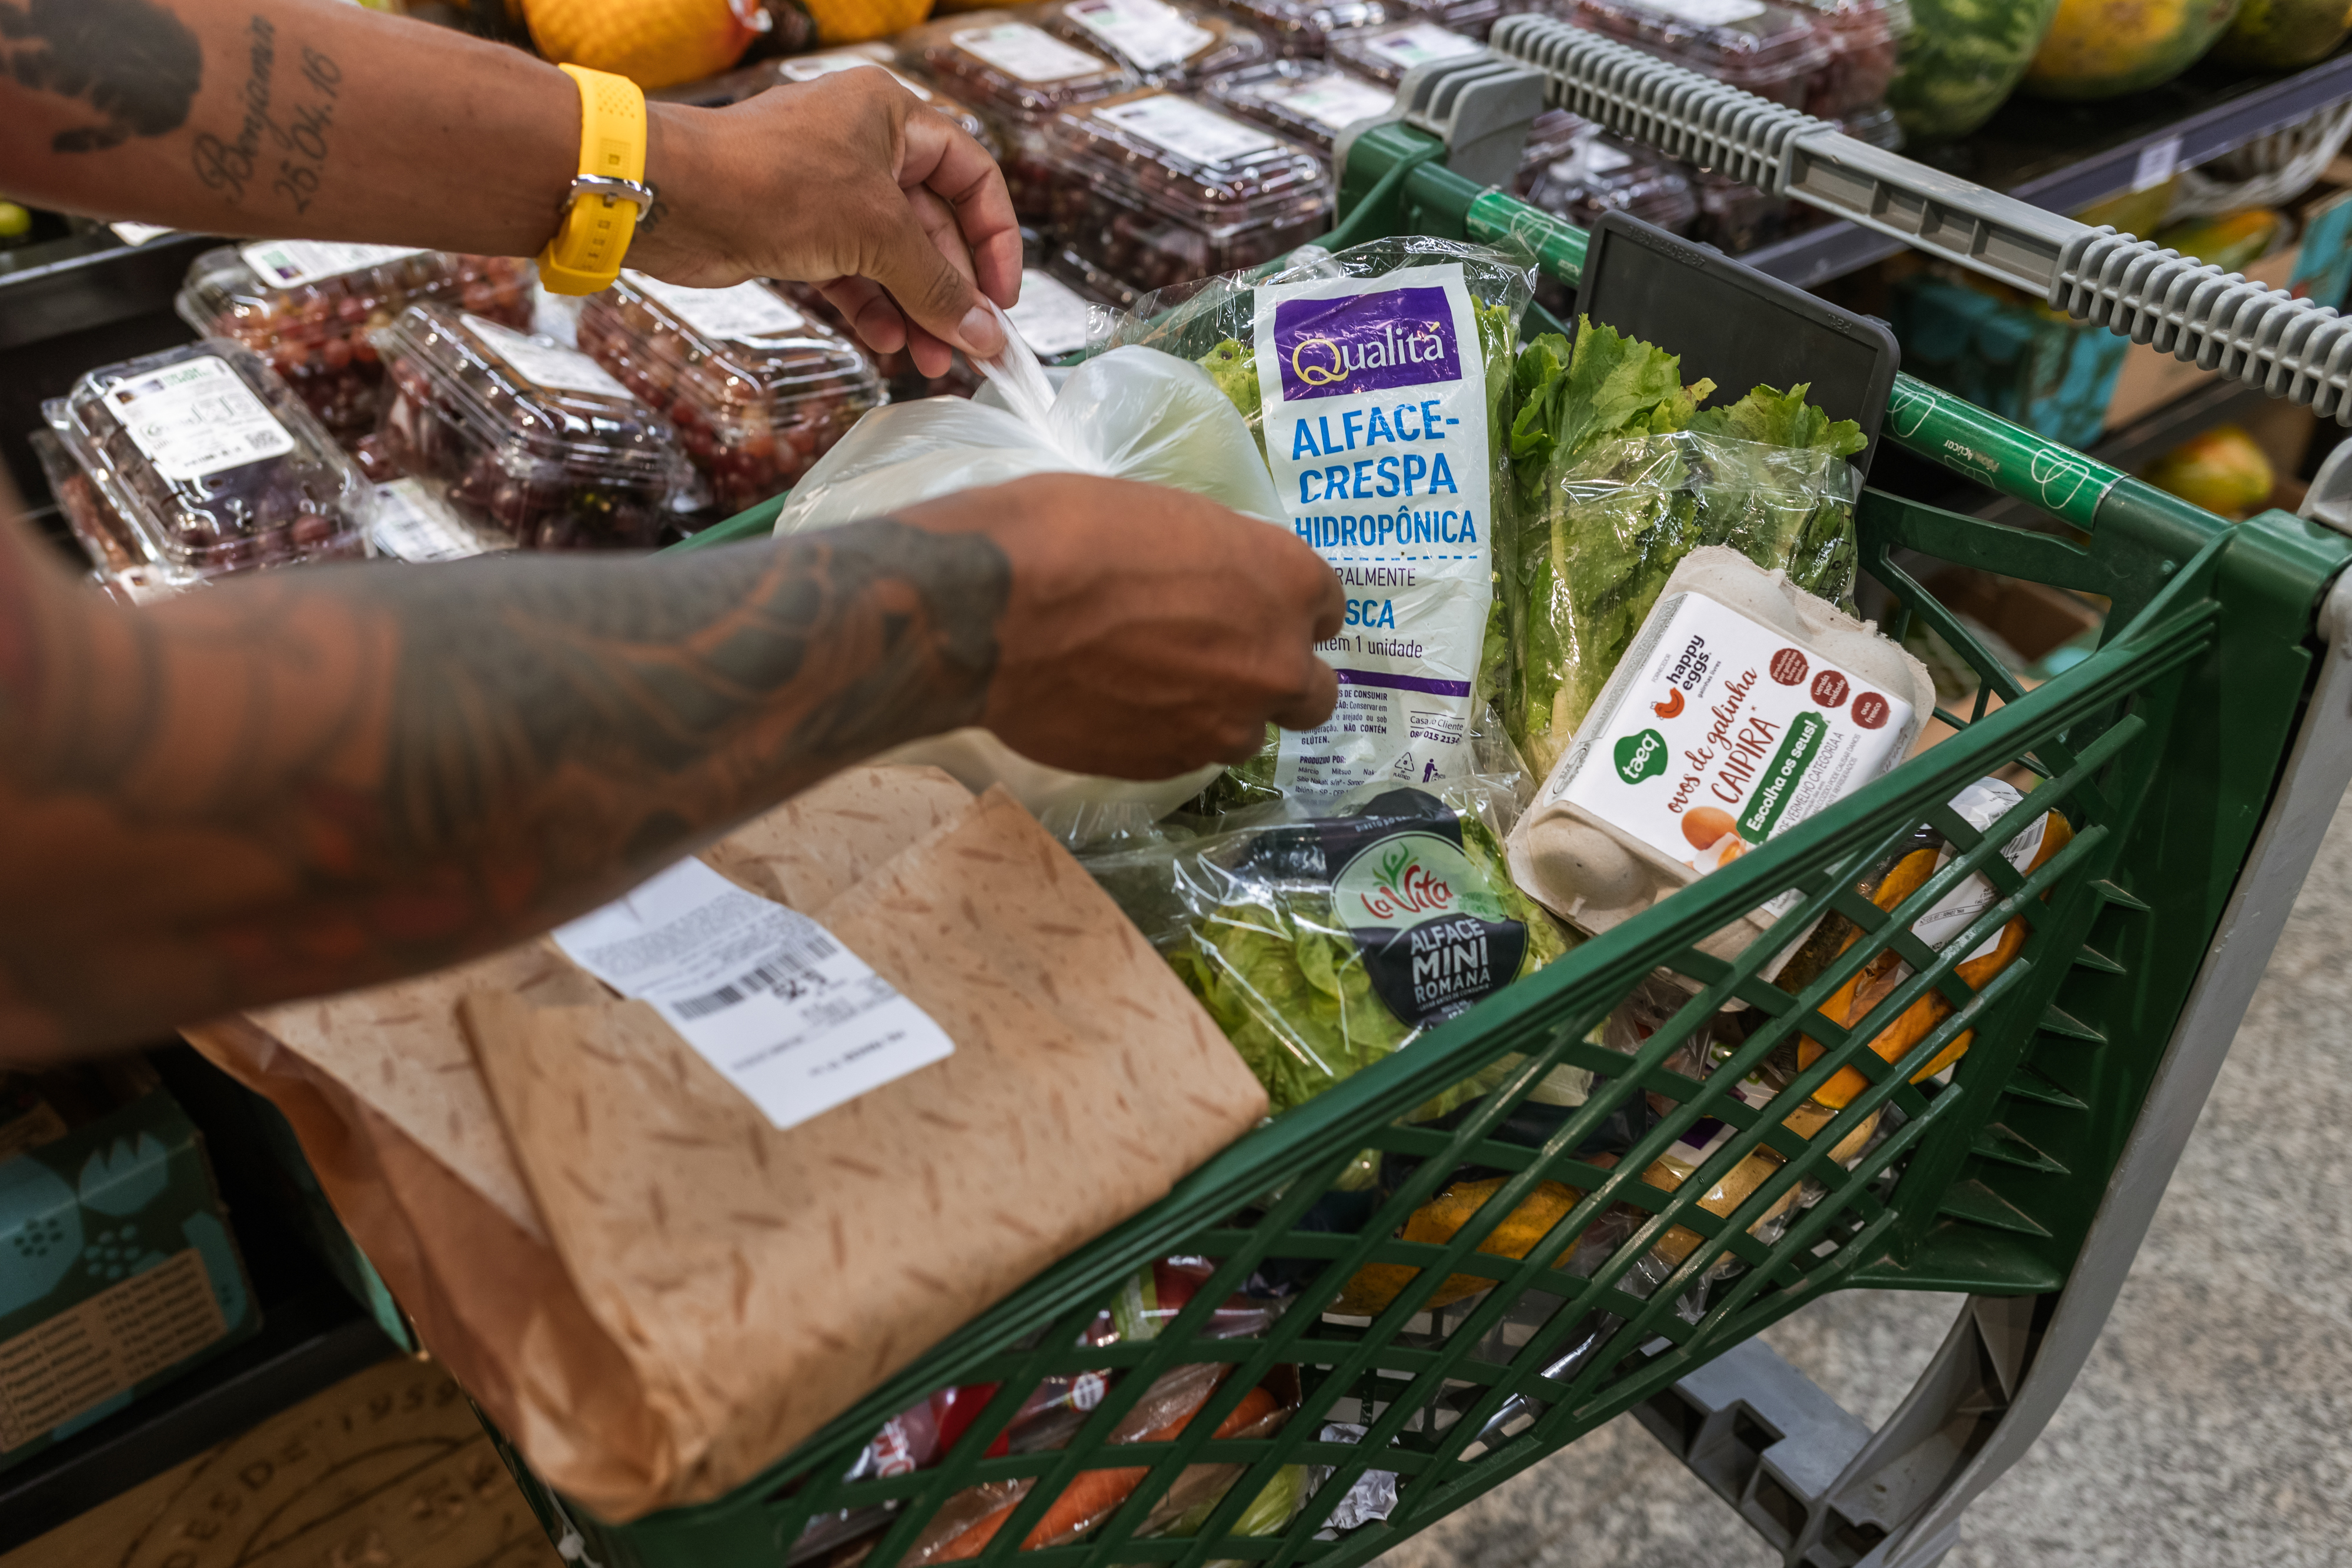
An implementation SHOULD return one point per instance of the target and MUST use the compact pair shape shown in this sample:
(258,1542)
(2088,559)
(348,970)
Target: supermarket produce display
(1615,983)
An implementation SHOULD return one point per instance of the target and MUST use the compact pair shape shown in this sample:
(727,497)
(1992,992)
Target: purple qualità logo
(1366,342)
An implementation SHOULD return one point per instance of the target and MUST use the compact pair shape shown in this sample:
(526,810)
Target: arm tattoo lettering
(136,64)
(292,128)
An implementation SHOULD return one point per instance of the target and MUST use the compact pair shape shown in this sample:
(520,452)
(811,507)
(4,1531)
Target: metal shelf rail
(2180,140)
(2219,322)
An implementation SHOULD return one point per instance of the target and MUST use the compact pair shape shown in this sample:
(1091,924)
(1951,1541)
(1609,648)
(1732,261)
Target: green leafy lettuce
(1277,970)
(1619,474)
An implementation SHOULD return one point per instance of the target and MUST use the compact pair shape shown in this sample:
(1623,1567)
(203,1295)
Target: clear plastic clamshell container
(1019,75)
(1386,52)
(734,87)
(1475,18)
(1310,101)
(117,561)
(1865,38)
(1170,45)
(312,308)
(756,390)
(1058,313)
(1773,51)
(901,380)
(524,435)
(1158,190)
(1301,29)
(209,464)
(1601,174)
(1737,218)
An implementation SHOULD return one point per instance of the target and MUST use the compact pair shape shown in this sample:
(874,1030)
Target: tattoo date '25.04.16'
(288,126)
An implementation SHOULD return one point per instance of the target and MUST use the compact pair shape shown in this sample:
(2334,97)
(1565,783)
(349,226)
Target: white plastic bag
(1134,414)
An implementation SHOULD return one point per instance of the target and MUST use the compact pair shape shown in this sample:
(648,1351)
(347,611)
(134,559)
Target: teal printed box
(117,1269)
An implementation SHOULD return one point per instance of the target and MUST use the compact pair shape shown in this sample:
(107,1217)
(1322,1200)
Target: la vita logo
(1402,885)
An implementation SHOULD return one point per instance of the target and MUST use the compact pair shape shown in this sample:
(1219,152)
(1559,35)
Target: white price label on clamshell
(196,418)
(747,312)
(548,365)
(764,994)
(1027,53)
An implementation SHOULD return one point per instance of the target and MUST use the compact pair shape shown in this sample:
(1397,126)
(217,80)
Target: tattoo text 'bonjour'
(135,63)
(289,126)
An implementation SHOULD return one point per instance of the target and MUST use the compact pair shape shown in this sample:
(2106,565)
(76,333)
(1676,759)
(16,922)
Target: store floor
(2213,1424)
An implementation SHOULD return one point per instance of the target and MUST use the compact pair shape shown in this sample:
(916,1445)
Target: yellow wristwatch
(610,196)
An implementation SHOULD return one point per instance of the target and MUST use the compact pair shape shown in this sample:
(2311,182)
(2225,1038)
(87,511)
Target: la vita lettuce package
(654,1275)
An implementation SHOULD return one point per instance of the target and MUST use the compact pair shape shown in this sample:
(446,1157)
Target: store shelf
(2062,157)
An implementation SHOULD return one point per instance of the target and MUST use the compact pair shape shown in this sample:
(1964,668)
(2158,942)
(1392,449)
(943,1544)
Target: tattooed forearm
(314,781)
(287,110)
(135,64)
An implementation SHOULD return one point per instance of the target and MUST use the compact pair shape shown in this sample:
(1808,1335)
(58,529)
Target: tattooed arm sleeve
(297,783)
(286,119)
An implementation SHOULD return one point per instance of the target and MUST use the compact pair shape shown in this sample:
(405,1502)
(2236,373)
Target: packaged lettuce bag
(1324,937)
(1378,383)
(1619,474)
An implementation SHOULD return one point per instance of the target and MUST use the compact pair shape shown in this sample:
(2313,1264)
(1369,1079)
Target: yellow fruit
(857,21)
(1377,1284)
(654,43)
(2221,470)
(2103,48)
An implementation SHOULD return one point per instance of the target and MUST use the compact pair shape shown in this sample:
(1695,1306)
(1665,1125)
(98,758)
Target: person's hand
(1146,631)
(849,183)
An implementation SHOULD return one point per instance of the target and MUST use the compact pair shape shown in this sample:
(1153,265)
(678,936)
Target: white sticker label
(808,68)
(1147,32)
(1052,315)
(1599,158)
(544,364)
(745,313)
(1980,805)
(137,234)
(1729,734)
(1421,42)
(1336,101)
(2157,162)
(1709,12)
(1027,53)
(791,1017)
(196,418)
(291,263)
(1179,125)
(411,525)
(1375,397)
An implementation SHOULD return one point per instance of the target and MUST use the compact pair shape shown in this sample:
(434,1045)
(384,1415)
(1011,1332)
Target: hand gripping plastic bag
(1133,413)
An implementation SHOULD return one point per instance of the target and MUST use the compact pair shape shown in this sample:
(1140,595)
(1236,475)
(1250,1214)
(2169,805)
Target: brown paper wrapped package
(541,1334)
(759,1281)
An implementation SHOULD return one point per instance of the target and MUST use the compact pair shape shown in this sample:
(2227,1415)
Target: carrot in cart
(1091,1497)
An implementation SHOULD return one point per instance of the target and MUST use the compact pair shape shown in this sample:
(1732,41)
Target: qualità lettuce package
(1377,381)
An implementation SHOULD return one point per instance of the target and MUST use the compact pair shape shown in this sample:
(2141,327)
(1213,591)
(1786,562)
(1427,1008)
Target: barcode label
(767,996)
(789,975)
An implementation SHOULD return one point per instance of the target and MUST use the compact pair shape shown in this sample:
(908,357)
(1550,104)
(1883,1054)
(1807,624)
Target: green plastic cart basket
(2199,754)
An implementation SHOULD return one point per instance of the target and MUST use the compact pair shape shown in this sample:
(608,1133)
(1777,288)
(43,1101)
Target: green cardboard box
(117,1268)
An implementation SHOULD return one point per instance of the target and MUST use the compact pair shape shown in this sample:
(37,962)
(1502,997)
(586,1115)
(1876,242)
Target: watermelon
(2220,470)
(2283,34)
(2105,48)
(1960,61)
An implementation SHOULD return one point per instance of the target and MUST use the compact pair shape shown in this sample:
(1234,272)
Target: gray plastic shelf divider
(2264,337)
